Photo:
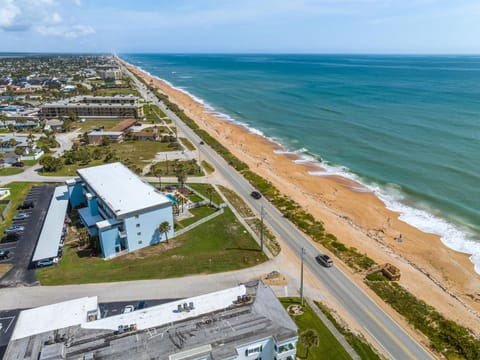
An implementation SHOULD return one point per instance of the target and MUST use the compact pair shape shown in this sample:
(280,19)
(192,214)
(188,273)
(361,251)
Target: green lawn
(237,202)
(329,348)
(4,268)
(89,125)
(134,154)
(208,168)
(18,192)
(361,347)
(71,170)
(138,150)
(10,171)
(198,213)
(202,189)
(219,245)
(164,168)
(152,112)
(187,143)
(116,91)
(160,129)
(31,162)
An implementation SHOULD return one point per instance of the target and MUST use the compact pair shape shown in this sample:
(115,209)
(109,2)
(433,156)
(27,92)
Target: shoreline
(453,235)
(349,210)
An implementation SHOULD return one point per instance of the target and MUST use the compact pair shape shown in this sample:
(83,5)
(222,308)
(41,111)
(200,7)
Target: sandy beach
(442,277)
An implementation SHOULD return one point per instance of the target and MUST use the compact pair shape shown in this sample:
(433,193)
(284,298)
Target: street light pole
(301,277)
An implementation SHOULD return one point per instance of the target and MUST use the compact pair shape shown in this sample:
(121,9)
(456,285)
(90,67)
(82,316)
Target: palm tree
(309,339)
(209,192)
(164,228)
(4,119)
(181,175)
(83,236)
(30,140)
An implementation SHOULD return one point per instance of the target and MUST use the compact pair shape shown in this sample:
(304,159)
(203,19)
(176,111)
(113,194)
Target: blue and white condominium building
(119,207)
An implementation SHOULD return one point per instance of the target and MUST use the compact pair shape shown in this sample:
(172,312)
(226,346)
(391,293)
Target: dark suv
(4,254)
(324,260)
(256,195)
(27,204)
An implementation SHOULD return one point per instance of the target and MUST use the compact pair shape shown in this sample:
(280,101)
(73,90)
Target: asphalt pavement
(381,327)
(22,272)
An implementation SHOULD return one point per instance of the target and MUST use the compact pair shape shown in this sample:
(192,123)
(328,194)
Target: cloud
(71,32)
(40,16)
(8,13)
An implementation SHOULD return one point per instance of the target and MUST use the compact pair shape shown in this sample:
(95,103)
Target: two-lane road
(383,329)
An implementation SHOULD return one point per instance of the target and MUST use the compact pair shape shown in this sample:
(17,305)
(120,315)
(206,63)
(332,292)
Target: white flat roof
(49,240)
(55,316)
(167,313)
(122,190)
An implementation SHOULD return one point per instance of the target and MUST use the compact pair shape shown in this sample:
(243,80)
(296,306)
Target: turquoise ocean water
(408,127)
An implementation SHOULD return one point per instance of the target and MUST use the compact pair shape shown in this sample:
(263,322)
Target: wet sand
(442,277)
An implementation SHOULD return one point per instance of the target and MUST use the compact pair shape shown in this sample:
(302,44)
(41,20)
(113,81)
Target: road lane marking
(375,319)
(389,333)
(379,343)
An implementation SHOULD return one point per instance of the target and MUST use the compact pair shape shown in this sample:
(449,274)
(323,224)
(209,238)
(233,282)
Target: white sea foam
(451,235)
(294,152)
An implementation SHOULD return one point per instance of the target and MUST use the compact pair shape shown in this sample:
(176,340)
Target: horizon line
(235,53)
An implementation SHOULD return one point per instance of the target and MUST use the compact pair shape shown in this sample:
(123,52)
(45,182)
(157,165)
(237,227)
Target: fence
(199,222)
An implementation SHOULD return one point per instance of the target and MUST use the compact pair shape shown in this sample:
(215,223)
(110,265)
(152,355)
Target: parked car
(141,305)
(19,164)
(324,260)
(128,309)
(4,254)
(14,229)
(10,238)
(202,143)
(44,263)
(27,204)
(21,216)
(256,195)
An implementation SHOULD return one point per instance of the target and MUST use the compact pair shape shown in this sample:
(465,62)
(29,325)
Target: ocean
(407,127)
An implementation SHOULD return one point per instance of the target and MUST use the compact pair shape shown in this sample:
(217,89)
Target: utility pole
(262,214)
(301,278)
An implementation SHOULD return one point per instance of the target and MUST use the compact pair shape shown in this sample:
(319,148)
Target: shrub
(448,338)
(376,277)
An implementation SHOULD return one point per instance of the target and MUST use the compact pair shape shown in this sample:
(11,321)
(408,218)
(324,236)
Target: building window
(136,216)
(253,350)
(138,225)
(140,241)
(139,233)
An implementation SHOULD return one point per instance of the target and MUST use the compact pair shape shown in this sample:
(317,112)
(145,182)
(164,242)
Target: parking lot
(21,250)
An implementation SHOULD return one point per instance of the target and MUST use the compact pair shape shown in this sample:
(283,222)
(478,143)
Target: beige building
(95,106)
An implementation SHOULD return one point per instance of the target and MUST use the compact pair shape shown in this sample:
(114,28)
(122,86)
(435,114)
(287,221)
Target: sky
(241,26)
